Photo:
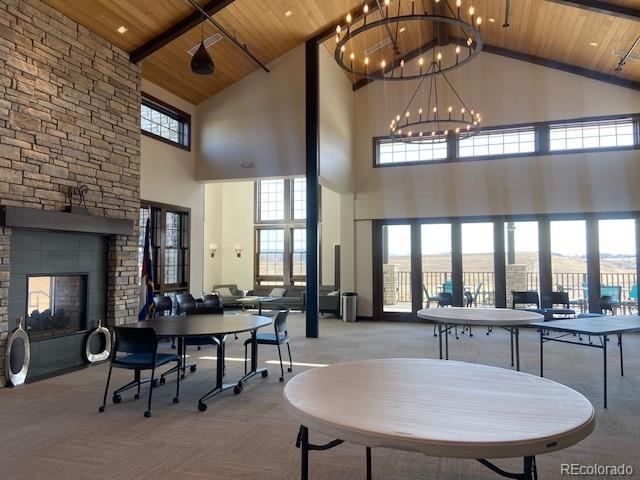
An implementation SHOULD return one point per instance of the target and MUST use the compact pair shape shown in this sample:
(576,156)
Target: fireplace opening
(56,305)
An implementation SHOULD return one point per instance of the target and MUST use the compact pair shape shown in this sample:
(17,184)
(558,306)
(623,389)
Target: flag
(146,277)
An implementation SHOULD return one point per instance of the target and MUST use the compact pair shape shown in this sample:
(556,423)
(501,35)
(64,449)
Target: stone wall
(516,280)
(69,115)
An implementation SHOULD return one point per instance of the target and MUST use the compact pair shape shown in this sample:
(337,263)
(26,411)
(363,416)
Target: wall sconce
(238,249)
(213,248)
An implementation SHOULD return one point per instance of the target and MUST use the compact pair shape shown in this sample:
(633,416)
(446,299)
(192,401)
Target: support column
(312,89)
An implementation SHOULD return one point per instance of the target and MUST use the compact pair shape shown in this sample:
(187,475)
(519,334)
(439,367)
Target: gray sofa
(294,298)
(230,300)
(327,303)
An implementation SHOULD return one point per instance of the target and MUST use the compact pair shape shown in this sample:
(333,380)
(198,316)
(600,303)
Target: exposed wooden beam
(604,8)
(565,67)
(396,63)
(177,30)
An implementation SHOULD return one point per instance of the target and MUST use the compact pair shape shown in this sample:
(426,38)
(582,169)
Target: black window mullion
(544,257)
(456,263)
(593,264)
(542,139)
(500,276)
(416,267)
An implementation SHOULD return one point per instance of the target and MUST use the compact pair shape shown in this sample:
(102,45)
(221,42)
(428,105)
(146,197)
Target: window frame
(158,241)
(288,224)
(183,119)
(542,143)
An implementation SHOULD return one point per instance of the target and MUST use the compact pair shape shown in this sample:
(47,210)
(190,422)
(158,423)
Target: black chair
(606,304)
(137,349)
(163,306)
(550,303)
(280,336)
(445,299)
(526,298)
(211,300)
(195,341)
(185,301)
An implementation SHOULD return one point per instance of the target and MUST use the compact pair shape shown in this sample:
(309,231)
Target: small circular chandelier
(426,117)
(391,18)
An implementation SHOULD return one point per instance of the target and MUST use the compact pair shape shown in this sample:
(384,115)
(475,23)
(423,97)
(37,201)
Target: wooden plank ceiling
(538,28)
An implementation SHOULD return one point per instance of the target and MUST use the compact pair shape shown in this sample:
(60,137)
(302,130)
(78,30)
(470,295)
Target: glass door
(396,268)
(617,242)
(569,260)
(477,264)
(435,242)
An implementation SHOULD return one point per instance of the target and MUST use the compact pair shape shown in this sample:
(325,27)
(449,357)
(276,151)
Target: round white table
(415,404)
(506,318)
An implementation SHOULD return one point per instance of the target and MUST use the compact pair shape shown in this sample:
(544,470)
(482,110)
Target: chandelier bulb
(342,48)
(383,64)
(407,114)
(348,18)
(435,109)
(471,10)
(439,56)
(401,63)
(352,56)
(421,134)
(450,109)
(337,38)
(446,132)
(409,134)
(472,112)
(338,29)
(468,127)
(478,20)
(387,2)
(366,60)
(462,110)
(433,134)
(458,3)
(457,130)
(398,118)
(420,111)
(366,8)
(457,50)
(469,41)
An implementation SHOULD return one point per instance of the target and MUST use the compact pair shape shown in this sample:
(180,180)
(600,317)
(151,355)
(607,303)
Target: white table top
(480,316)
(439,408)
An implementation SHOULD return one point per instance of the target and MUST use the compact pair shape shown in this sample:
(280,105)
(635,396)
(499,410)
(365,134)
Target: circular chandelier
(427,117)
(392,18)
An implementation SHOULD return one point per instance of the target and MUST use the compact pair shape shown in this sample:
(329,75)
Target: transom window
(590,135)
(280,234)
(299,198)
(164,122)
(390,151)
(271,200)
(498,142)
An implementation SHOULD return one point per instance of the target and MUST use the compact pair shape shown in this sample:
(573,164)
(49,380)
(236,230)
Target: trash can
(349,306)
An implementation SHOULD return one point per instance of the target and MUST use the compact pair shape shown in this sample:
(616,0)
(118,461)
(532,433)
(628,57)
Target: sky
(617,237)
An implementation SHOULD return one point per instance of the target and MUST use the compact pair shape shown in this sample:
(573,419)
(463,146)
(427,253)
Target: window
(270,253)
(498,142)
(170,233)
(271,193)
(591,135)
(280,238)
(390,151)
(299,198)
(164,122)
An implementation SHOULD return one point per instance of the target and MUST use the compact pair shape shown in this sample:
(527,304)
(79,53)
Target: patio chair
(632,299)
(428,298)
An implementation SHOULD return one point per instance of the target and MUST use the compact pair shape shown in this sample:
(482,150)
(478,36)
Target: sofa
(328,301)
(293,298)
(230,298)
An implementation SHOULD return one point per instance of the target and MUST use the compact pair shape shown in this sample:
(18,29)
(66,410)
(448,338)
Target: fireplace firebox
(56,305)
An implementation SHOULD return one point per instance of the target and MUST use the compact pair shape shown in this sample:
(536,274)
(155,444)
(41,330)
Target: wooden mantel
(20,217)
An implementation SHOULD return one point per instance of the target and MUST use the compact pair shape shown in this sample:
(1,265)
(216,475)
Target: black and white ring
(17,378)
(104,354)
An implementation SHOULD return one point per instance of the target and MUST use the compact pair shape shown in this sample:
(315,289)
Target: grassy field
(483,262)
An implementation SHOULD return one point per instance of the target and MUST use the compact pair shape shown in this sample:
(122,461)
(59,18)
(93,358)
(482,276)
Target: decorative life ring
(18,335)
(100,356)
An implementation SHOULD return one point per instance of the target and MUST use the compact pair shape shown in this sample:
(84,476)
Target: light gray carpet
(52,429)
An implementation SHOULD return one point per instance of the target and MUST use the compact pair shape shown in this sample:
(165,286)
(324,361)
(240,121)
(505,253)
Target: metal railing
(574,284)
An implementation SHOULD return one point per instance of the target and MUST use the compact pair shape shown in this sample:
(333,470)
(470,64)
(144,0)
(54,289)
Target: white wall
(506,91)
(337,117)
(228,222)
(167,175)
(330,234)
(260,119)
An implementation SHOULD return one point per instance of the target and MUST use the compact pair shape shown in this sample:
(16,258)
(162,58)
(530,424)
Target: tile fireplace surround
(69,115)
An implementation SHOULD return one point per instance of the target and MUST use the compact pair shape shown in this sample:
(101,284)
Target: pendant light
(201,62)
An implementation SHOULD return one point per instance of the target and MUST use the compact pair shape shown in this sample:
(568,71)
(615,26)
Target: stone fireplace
(69,116)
